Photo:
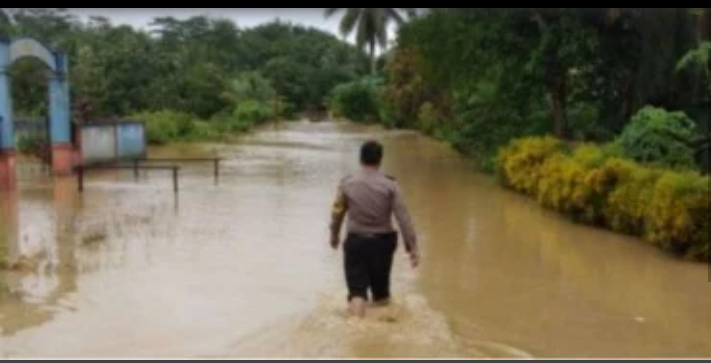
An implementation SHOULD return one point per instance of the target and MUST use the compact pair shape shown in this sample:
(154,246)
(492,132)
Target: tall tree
(565,45)
(5,18)
(372,26)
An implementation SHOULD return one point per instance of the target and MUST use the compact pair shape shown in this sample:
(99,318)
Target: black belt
(371,235)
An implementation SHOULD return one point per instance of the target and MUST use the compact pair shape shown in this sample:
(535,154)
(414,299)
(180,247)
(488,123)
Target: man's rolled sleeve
(405,222)
(338,213)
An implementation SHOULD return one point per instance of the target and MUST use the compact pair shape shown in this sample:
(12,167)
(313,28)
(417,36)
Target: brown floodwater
(242,269)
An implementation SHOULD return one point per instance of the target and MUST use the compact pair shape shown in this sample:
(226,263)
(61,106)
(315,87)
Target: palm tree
(5,17)
(372,26)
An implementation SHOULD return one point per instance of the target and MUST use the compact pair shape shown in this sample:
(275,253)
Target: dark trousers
(368,261)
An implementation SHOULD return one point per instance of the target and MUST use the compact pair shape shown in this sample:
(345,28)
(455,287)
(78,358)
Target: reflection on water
(42,264)
(242,269)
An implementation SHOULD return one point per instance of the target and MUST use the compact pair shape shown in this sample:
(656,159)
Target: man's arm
(338,213)
(406,226)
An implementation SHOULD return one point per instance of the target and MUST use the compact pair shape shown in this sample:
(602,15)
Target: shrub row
(594,185)
(168,125)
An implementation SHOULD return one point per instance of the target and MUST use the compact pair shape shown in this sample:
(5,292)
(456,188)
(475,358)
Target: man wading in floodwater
(370,198)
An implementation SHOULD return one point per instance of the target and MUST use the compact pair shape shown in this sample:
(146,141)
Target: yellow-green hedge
(667,208)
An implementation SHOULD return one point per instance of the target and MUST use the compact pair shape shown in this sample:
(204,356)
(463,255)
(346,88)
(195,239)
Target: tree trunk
(373,60)
(705,23)
(627,93)
(557,89)
(558,94)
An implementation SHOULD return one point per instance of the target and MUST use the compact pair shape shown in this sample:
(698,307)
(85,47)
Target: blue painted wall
(7,133)
(98,143)
(111,142)
(131,140)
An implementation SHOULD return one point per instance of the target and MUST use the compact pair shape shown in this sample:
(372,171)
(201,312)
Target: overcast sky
(244,17)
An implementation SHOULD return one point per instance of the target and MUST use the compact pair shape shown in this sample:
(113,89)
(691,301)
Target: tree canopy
(186,65)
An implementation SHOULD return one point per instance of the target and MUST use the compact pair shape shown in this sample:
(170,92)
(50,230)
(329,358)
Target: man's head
(371,154)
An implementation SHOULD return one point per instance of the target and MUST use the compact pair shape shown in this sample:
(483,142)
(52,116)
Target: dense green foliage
(656,136)
(200,67)
(165,126)
(168,125)
(357,100)
(481,77)
(30,144)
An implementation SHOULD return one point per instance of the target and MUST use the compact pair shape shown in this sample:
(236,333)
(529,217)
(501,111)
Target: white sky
(244,17)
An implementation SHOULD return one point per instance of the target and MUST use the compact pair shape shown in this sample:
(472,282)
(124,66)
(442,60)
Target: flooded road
(243,269)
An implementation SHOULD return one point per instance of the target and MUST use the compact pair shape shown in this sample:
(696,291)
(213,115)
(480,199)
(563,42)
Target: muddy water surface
(242,269)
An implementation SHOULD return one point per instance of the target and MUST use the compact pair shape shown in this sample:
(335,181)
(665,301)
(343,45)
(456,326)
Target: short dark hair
(371,153)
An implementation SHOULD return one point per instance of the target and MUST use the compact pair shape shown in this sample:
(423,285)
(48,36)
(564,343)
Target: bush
(386,112)
(243,118)
(678,217)
(427,119)
(406,90)
(287,110)
(34,145)
(659,137)
(356,101)
(226,123)
(185,126)
(520,163)
(205,131)
(169,126)
(252,112)
(482,125)
(584,123)
(166,126)
(565,184)
(593,185)
(252,86)
(629,188)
